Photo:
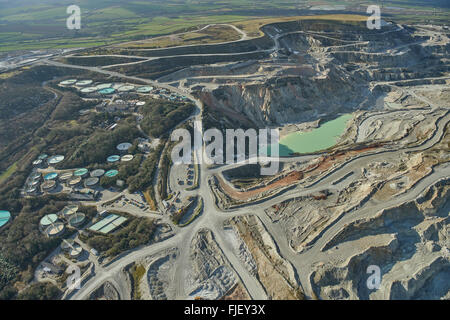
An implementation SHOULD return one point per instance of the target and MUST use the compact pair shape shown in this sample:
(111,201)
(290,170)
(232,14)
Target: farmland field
(32,24)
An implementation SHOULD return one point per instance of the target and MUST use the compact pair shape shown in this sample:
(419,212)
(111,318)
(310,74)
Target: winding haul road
(213,217)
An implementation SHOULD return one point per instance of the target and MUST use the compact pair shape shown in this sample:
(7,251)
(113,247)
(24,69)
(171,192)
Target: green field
(5,175)
(32,24)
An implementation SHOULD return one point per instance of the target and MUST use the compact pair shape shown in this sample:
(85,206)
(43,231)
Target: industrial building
(108,224)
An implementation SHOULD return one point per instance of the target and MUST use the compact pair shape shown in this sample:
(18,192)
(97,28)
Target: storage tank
(49,185)
(77,219)
(55,230)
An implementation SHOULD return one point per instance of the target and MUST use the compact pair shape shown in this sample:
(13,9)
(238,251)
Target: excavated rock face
(210,275)
(106,292)
(288,99)
(327,68)
(409,243)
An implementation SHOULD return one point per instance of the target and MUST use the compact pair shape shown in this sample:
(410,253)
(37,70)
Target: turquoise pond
(320,138)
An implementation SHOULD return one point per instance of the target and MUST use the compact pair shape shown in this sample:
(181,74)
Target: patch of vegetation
(197,211)
(8,271)
(40,291)
(23,245)
(166,163)
(27,26)
(68,107)
(5,175)
(177,216)
(25,108)
(144,179)
(138,231)
(160,116)
(212,34)
(137,272)
(163,66)
(99,145)
(98,61)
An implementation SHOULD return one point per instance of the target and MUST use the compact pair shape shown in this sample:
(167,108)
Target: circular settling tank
(55,230)
(68,82)
(144,89)
(97,173)
(31,190)
(81,172)
(43,156)
(126,88)
(48,220)
(65,176)
(77,219)
(36,176)
(88,90)
(83,83)
(103,86)
(107,91)
(112,173)
(90,182)
(48,185)
(5,216)
(37,162)
(75,181)
(70,210)
(50,176)
(124,146)
(67,244)
(127,158)
(113,158)
(34,183)
(55,159)
(75,251)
